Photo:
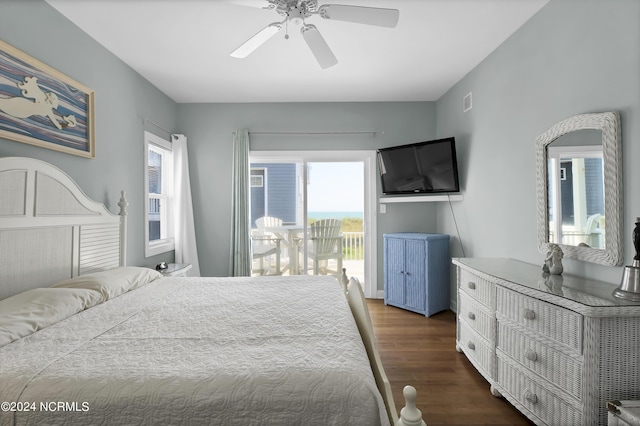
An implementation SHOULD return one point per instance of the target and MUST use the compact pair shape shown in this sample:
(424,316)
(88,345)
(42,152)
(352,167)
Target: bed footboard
(410,415)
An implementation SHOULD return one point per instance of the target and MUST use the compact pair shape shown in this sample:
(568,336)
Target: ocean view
(337,215)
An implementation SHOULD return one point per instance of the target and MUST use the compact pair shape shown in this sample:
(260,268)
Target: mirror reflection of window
(576,189)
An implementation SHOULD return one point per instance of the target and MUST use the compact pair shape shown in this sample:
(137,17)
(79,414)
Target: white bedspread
(197,351)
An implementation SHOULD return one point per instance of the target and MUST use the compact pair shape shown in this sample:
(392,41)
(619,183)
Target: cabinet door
(415,291)
(394,275)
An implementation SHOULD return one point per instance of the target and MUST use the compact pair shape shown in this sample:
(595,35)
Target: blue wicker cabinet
(416,272)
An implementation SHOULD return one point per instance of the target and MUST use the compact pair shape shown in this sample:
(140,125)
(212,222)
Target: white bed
(142,349)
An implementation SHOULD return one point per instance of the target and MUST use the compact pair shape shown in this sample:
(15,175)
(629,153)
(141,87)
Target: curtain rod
(364,132)
(157,125)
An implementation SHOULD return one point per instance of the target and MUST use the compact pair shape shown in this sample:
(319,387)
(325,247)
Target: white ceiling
(182,47)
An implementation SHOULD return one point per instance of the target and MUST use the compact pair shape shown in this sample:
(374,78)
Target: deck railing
(353,245)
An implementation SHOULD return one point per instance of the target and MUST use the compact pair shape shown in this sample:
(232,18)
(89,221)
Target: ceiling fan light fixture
(296,14)
(257,40)
(318,46)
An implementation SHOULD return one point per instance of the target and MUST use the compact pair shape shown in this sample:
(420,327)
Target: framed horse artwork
(41,106)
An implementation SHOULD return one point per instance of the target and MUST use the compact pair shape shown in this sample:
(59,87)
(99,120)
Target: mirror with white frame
(579,185)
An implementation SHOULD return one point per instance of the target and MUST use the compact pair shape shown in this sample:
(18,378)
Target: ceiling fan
(296,11)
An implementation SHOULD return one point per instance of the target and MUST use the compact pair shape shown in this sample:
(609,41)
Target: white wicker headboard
(50,230)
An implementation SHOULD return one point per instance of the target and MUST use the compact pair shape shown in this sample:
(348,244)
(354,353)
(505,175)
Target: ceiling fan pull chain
(286,29)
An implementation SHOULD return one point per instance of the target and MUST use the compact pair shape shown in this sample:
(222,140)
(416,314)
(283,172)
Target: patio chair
(326,244)
(267,222)
(266,247)
(589,236)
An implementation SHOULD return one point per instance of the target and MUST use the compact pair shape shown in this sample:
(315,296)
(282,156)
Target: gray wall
(573,57)
(123,99)
(209,128)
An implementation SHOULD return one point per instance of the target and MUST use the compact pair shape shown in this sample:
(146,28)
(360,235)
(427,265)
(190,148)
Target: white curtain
(185,232)
(240,255)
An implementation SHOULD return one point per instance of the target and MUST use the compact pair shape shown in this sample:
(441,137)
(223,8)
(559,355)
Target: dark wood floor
(421,352)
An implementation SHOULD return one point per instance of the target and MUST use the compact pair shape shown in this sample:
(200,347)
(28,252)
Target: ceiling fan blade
(360,14)
(257,40)
(318,46)
(261,4)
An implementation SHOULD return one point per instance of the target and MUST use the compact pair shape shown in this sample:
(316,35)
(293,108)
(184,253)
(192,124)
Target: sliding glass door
(312,212)
(335,218)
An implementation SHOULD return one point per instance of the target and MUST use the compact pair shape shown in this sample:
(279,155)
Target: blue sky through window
(336,187)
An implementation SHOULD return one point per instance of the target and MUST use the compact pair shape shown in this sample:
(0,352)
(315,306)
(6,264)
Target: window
(257,179)
(158,184)
(576,195)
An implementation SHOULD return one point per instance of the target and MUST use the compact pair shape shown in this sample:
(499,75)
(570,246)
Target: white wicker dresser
(556,347)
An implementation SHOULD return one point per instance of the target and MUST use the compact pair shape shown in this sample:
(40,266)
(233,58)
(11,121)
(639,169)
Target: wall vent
(466,102)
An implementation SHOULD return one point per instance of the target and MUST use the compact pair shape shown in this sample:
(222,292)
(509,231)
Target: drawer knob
(530,396)
(531,355)
(472,285)
(529,314)
(471,346)
(471,315)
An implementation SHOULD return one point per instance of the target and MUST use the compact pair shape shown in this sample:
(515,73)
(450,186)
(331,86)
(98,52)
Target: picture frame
(41,106)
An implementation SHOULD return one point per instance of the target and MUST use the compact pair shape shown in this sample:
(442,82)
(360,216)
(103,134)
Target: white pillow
(112,282)
(28,312)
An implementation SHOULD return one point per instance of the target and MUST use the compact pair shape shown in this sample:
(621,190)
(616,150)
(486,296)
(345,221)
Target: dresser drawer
(478,350)
(552,364)
(472,312)
(551,321)
(478,288)
(535,396)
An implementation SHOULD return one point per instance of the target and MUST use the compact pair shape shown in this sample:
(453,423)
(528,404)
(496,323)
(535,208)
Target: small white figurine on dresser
(553,260)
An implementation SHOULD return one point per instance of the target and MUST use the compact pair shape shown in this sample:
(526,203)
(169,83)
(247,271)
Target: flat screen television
(419,168)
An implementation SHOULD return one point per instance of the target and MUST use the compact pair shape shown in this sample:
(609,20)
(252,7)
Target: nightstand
(175,270)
